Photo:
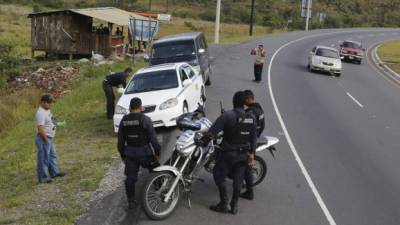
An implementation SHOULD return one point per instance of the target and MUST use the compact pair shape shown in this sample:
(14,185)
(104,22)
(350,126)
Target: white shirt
(45,118)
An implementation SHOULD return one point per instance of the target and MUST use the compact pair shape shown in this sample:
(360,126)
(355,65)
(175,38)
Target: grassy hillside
(15,28)
(86,146)
(274,13)
(389,52)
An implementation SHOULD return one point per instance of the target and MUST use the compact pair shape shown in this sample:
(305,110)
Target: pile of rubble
(52,80)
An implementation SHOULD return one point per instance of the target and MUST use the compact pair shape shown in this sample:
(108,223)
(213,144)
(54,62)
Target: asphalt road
(337,162)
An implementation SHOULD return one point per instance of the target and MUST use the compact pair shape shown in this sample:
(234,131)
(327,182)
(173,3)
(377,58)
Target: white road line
(355,100)
(303,169)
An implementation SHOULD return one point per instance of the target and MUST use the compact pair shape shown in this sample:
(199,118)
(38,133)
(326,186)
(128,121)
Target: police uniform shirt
(117,79)
(258,112)
(138,151)
(227,121)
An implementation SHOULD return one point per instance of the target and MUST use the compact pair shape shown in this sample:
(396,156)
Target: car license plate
(351,57)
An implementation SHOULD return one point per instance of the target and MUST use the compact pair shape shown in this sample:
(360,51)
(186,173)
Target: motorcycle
(165,185)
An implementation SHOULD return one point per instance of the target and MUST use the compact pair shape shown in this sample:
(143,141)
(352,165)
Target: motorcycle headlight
(172,102)
(121,110)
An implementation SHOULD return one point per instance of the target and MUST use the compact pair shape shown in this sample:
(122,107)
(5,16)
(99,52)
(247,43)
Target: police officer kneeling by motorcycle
(137,145)
(239,142)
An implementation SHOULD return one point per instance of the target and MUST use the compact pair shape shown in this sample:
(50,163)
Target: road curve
(344,131)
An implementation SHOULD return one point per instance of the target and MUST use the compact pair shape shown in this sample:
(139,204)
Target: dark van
(187,47)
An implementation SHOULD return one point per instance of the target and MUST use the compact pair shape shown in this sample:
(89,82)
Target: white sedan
(325,59)
(166,91)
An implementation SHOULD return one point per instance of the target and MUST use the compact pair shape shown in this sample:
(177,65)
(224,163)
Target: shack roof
(108,14)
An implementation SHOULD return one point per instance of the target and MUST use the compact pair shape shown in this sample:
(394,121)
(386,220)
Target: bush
(9,62)
(208,15)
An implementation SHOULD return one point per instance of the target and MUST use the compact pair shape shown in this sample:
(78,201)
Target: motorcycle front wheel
(156,187)
(259,170)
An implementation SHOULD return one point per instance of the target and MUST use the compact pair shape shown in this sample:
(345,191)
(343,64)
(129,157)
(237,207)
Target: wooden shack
(72,32)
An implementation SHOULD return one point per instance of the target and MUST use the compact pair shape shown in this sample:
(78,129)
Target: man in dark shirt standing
(256,109)
(115,80)
(136,141)
(238,145)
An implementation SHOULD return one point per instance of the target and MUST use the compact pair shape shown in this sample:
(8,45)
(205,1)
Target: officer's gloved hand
(204,140)
(251,159)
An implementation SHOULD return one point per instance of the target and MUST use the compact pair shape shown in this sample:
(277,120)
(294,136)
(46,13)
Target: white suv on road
(166,91)
(325,59)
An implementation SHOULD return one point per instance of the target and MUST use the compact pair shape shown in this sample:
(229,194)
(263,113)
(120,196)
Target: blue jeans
(46,159)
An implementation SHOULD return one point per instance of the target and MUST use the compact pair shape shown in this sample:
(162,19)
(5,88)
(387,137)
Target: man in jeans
(46,153)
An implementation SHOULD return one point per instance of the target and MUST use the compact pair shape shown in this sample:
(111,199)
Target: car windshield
(327,53)
(171,50)
(152,81)
(351,45)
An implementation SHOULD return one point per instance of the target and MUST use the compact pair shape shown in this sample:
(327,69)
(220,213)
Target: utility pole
(149,5)
(217,21)
(251,18)
(308,13)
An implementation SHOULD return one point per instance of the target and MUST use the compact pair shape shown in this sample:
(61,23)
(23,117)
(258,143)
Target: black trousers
(233,164)
(108,91)
(248,177)
(132,166)
(258,71)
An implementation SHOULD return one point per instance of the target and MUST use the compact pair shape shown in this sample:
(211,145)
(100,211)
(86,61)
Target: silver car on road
(325,59)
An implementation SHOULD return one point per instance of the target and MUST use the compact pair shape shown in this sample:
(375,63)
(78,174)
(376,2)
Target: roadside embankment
(389,53)
(86,147)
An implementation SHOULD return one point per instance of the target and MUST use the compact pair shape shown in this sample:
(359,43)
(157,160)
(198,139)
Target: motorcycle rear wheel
(259,170)
(157,185)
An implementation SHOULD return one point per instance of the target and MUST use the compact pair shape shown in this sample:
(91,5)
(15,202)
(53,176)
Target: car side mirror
(146,58)
(121,90)
(202,50)
(186,82)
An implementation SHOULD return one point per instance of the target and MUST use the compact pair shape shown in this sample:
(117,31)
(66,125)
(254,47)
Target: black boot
(249,194)
(234,208)
(222,206)
(234,201)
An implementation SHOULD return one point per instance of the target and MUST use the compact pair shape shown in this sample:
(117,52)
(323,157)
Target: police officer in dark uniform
(115,80)
(238,143)
(256,109)
(137,145)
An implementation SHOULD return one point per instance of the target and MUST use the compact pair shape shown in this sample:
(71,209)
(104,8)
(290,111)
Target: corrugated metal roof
(109,14)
